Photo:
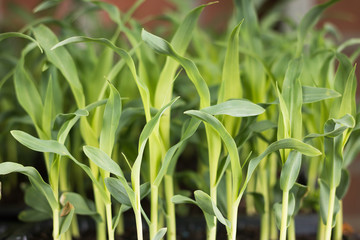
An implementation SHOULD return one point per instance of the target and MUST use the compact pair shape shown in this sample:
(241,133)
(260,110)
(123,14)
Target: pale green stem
(109,222)
(229,196)
(138,221)
(291,230)
(212,231)
(284,213)
(250,204)
(170,208)
(56,224)
(313,173)
(234,214)
(329,219)
(100,208)
(154,210)
(120,229)
(321,230)
(272,182)
(338,231)
(264,188)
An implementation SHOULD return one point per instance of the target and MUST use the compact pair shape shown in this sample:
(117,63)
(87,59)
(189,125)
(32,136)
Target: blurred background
(344,15)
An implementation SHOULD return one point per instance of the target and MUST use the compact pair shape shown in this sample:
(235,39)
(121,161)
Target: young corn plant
(50,192)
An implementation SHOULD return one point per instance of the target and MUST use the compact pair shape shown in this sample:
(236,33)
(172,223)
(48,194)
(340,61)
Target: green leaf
(235,108)
(67,126)
(333,147)
(31,215)
(278,211)
(6,35)
(230,87)
(262,126)
(120,190)
(229,143)
(111,9)
(324,202)
(299,192)
(49,107)
(160,234)
(288,143)
(292,94)
(35,199)
(308,21)
(65,220)
(179,199)
(180,42)
(35,180)
(143,89)
(46,5)
(163,47)
(169,156)
(62,60)
(343,185)
(144,136)
(39,145)
(316,94)
(290,171)
(102,160)
(259,201)
(26,91)
(111,120)
(208,206)
(81,206)
(341,124)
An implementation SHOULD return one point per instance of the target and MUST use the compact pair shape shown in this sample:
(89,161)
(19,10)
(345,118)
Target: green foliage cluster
(115,113)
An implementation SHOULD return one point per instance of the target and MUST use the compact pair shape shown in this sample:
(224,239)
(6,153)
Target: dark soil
(187,228)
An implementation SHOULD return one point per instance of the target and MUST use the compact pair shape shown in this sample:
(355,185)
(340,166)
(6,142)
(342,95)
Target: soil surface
(188,228)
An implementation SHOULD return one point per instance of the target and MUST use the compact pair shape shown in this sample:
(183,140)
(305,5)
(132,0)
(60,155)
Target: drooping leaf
(208,206)
(119,191)
(290,171)
(160,234)
(32,215)
(34,177)
(6,35)
(35,199)
(235,108)
(46,5)
(39,145)
(289,143)
(102,160)
(179,199)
